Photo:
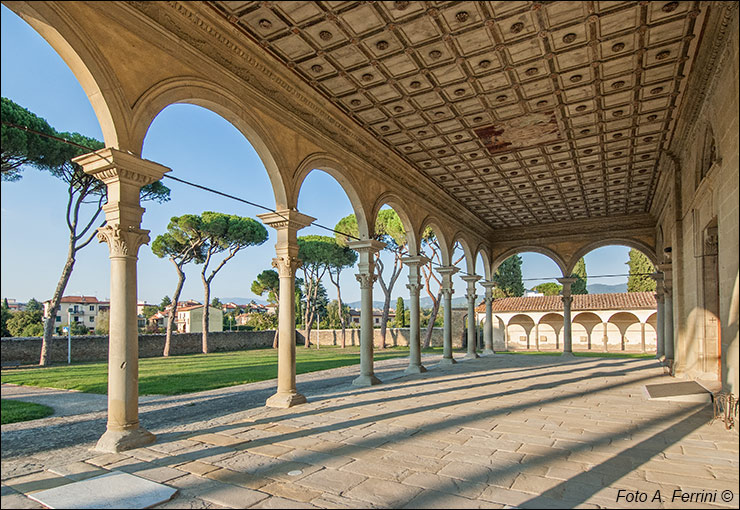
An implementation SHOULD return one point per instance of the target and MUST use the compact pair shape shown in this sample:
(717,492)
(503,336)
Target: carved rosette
(414,288)
(123,241)
(366,280)
(286,266)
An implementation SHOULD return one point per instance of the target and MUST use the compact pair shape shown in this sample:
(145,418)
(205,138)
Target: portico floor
(494,432)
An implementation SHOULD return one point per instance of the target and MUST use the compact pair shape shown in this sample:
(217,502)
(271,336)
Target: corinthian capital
(366,280)
(414,288)
(123,241)
(286,265)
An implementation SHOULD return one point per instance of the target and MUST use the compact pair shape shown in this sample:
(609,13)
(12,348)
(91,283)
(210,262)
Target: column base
(415,369)
(366,380)
(285,400)
(114,441)
(567,354)
(471,355)
(488,352)
(447,361)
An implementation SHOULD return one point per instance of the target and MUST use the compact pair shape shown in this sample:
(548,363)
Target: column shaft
(124,176)
(471,295)
(567,329)
(414,264)
(287,223)
(366,276)
(447,291)
(488,326)
(660,323)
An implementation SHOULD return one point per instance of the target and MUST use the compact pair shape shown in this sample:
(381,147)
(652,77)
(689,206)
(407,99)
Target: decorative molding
(123,241)
(366,280)
(286,266)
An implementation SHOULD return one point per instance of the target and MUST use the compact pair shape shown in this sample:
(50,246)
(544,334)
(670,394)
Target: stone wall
(26,351)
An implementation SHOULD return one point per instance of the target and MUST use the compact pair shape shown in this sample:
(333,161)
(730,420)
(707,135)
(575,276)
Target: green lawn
(13,411)
(196,372)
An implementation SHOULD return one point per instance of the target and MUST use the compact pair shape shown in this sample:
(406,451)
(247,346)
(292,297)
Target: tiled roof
(620,301)
(79,299)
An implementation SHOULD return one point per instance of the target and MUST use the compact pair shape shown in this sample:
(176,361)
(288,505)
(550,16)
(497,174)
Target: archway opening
(330,298)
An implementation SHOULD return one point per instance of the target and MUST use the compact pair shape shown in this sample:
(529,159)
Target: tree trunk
(45,358)
(173,310)
(432,318)
(206,297)
(384,319)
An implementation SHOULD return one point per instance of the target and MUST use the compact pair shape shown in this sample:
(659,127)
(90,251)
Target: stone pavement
(495,432)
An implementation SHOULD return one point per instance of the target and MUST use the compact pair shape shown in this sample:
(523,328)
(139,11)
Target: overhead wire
(265,208)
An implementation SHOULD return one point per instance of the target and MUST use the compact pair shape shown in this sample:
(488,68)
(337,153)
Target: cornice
(705,69)
(616,226)
(207,31)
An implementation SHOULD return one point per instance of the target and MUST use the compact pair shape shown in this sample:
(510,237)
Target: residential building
(190,319)
(81,309)
(354,316)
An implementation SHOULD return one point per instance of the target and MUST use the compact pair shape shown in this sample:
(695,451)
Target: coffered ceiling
(527,113)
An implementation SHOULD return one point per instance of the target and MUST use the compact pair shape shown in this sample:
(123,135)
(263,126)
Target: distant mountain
(241,300)
(601,288)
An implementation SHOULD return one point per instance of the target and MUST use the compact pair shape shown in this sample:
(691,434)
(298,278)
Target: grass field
(13,411)
(195,372)
(176,375)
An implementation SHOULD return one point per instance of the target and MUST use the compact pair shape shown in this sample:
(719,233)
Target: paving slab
(112,490)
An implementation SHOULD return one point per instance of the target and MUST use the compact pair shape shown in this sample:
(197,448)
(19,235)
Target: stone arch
(623,321)
(327,163)
(482,249)
(444,245)
(554,321)
(467,250)
(213,97)
(518,324)
(648,251)
(391,199)
(89,67)
(588,321)
(522,249)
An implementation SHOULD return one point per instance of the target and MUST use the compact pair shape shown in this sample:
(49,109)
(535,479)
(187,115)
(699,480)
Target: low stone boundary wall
(26,351)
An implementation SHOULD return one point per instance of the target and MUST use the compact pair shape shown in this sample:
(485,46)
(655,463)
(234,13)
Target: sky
(199,146)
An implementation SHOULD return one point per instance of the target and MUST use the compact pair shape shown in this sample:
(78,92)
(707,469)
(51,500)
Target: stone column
(470,280)
(605,336)
(124,175)
(668,341)
(488,327)
(447,291)
(642,336)
(567,301)
(660,323)
(287,223)
(367,250)
(414,286)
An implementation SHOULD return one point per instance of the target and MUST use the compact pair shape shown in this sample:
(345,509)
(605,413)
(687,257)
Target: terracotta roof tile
(619,301)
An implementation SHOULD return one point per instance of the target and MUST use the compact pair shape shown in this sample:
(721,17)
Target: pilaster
(660,323)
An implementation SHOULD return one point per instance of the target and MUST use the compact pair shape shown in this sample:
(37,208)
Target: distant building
(354,316)
(190,319)
(15,306)
(81,309)
(600,322)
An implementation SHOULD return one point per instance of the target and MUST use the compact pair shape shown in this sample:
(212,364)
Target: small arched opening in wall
(519,333)
(582,331)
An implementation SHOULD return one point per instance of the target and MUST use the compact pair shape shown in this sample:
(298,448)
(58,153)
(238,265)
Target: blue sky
(198,146)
